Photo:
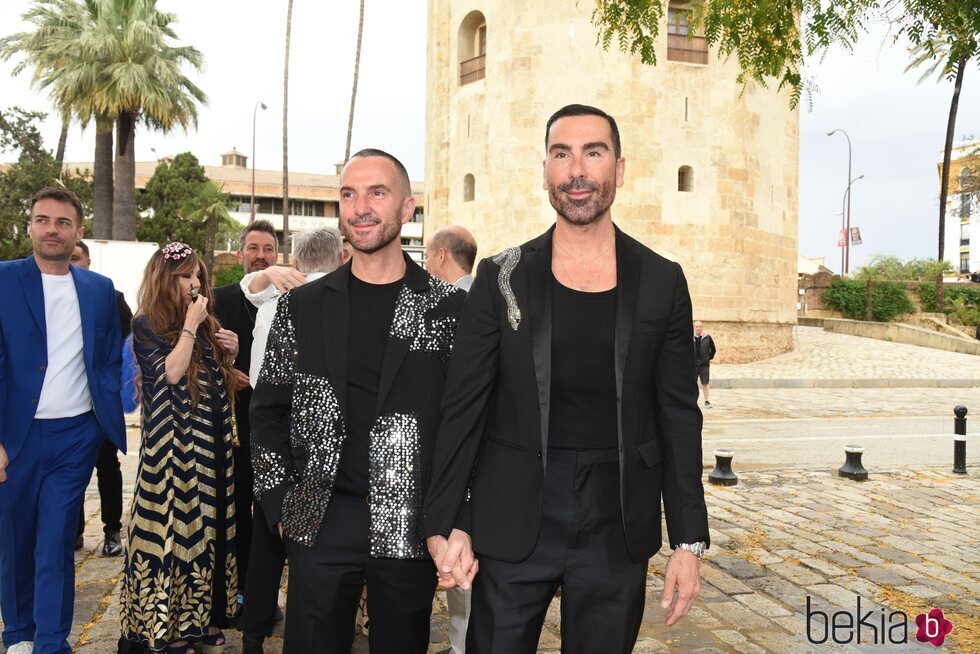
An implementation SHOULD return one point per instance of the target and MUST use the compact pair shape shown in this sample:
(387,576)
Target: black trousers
(244,498)
(581,548)
(110,490)
(261,588)
(325,584)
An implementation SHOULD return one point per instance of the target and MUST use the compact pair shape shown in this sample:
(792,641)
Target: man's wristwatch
(697,549)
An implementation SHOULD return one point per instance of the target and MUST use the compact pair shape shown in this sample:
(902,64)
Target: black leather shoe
(252,643)
(112,545)
(79,542)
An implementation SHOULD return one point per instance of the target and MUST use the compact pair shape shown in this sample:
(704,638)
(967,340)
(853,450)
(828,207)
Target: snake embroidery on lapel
(508,260)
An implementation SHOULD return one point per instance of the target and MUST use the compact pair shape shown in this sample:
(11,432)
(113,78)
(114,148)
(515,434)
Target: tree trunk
(210,231)
(944,185)
(102,182)
(285,141)
(124,191)
(353,92)
(62,142)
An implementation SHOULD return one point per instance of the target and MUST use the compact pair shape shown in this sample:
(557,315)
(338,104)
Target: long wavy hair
(163,307)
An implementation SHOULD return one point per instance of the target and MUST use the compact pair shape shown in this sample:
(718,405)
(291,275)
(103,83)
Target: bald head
(450,253)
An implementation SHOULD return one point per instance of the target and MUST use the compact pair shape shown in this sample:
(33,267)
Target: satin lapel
(538,270)
(335,314)
(34,294)
(627,294)
(83,289)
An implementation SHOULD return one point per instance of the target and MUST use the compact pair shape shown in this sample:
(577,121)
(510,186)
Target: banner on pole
(855,236)
(842,238)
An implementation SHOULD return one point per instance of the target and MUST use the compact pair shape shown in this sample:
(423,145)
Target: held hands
(4,461)
(241,380)
(683,574)
(453,558)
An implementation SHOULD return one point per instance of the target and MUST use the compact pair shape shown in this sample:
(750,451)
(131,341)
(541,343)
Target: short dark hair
(399,166)
(59,194)
(461,250)
(586,110)
(84,246)
(258,226)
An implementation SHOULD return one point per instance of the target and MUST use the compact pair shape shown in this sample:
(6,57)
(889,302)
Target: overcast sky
(896,126)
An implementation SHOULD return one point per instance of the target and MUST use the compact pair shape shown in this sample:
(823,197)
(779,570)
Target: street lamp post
(847,227)
(846,252)
(251,205)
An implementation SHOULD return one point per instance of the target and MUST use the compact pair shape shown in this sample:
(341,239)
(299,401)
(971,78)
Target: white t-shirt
(65,392)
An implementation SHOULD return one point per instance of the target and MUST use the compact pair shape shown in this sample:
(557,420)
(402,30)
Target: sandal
(212,643)
(187,647)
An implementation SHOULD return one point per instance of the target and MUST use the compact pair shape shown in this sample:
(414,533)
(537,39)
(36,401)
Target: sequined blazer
(297,409)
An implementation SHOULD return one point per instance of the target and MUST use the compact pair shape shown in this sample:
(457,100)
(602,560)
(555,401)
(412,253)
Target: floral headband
(176,251)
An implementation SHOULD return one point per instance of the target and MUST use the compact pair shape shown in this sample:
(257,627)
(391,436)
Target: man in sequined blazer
(344,418)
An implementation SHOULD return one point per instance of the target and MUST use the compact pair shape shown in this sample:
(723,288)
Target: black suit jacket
(237,314)
(299,403)
(125,315)
(496,405)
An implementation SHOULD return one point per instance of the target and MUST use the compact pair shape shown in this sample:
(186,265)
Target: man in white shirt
(60,357)
(450,254)
(317,253)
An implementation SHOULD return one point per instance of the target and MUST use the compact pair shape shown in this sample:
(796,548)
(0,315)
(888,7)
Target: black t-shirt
(372,308)
(583,369)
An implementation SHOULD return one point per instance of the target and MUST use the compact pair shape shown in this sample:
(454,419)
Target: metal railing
(472,70)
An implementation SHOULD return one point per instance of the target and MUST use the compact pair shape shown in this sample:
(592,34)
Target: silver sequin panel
(271,469)
(395,498)
(433,335)
(316,434)
(508,260)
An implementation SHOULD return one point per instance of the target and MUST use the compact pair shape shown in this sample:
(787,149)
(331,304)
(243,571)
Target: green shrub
(951,292)
(228,275)
(849,296)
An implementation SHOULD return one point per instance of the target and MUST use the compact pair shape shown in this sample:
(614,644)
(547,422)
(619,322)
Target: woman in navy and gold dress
(181,581)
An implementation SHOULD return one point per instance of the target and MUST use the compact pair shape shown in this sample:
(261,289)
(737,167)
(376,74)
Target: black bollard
(852,468)
(722,475)
(959,440)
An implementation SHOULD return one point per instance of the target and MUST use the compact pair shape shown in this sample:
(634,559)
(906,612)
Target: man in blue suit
(60,354)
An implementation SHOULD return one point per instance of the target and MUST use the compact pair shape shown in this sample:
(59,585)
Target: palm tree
(353,93)
(936,57)
(144,82)
(211,205)
(285,139)
(50,49)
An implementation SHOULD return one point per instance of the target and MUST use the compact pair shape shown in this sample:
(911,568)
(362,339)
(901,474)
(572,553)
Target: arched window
(472,48)
(685,179)
(469,187)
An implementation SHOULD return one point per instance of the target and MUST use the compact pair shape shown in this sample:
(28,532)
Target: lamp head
(262,104)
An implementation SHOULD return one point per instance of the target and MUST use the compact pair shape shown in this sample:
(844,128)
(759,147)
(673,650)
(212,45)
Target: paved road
(906,539)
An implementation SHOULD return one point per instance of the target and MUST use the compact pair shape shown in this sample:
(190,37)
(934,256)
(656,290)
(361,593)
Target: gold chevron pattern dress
(180,568)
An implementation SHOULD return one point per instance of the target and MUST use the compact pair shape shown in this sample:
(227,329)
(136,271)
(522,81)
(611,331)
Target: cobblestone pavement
(821,355)
(906,540)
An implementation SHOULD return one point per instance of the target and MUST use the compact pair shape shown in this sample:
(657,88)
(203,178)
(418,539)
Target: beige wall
(735,234)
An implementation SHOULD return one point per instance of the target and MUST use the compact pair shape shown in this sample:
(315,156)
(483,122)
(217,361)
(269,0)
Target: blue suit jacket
(24,352)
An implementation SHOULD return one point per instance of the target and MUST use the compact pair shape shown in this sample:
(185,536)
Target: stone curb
(743,383)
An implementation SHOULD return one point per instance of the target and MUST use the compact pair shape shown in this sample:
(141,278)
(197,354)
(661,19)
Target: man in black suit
(344,418)
(257,250)
(569,411)
(107,467)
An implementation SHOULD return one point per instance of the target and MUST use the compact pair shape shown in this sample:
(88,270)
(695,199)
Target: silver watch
(697,549)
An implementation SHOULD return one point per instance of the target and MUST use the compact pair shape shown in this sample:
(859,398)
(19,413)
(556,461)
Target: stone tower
(711,168)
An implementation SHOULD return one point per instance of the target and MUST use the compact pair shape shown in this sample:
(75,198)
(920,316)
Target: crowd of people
(383,428)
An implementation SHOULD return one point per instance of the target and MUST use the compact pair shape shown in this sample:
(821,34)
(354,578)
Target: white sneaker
(23,647)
